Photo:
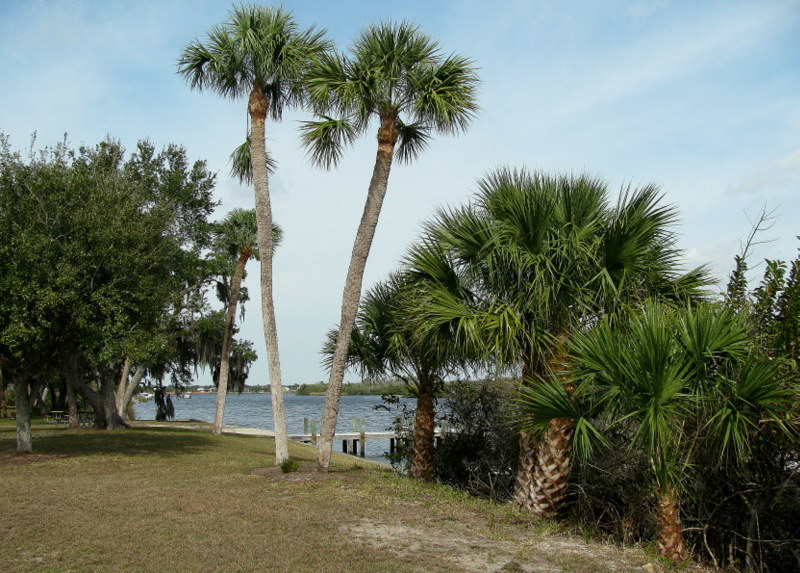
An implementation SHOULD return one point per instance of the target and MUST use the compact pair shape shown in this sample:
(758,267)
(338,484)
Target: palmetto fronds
(393,73)
(256,46)
(242,163)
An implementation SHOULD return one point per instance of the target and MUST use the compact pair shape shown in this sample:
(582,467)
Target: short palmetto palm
(533,258)
(397,76)
(676,382)
(261,53)
(383,342)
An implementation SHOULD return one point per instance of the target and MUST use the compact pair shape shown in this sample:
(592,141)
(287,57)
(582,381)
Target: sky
(701,98)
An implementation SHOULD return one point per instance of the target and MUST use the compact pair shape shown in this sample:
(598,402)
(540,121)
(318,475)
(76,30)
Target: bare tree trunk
(387,137)
(22,402)
(123,384)
(133,383)
(257,108)
(230,319)
(104,403)
(72,405)
(422,465)
(670,530)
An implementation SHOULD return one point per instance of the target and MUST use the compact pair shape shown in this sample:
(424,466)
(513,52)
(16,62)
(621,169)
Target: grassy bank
(169,499)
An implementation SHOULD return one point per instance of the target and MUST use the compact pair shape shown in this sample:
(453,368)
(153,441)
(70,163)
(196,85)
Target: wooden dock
(353,443)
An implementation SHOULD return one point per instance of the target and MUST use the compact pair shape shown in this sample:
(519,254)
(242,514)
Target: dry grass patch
(162,499)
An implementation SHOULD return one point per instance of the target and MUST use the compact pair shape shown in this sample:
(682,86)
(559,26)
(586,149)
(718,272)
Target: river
(255,411)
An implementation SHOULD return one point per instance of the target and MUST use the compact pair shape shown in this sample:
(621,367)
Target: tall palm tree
(259,52)
(533,258)
(398,76)
(383,342)
(676,381)
(237,242)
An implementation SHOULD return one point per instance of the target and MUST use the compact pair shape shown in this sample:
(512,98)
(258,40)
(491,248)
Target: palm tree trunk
(544,466)
(224,366)
(257,108)
(22,411)
(422,464)
(670,530)
(387,137)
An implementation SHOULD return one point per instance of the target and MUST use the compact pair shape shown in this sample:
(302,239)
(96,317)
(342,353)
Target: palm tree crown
(534,258)
(259,47)
(260,51)
(396,74)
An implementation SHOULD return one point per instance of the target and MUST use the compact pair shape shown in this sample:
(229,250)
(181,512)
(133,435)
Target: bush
(480,447)
(290,466)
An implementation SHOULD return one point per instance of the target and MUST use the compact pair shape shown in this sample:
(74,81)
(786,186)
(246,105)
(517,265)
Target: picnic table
(58,417)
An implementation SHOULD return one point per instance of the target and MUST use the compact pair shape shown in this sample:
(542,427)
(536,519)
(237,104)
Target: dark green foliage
(164,407)
(480,445)
(290,466)
(89,259)
(103,258)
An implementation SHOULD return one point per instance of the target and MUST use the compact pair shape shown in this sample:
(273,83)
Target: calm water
(255,411)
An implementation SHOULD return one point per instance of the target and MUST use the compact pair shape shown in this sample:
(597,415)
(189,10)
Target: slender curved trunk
(422,464)
(22,403)
(387,138)
(230,319)
(257,107)
(670,530)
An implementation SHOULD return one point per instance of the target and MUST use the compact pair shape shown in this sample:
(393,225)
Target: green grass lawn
(168,499)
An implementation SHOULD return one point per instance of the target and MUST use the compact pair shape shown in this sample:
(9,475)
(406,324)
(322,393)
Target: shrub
(290,466)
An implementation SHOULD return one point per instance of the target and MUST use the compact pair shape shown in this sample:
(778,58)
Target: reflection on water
(255,411)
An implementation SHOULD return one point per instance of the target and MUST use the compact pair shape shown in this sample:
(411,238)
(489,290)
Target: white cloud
(779,178)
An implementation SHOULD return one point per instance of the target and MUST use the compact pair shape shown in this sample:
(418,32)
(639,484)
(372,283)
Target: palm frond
(241,166)
(326,139)
(413,139)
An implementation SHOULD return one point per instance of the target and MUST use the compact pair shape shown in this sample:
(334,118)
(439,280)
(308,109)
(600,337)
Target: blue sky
(702,98)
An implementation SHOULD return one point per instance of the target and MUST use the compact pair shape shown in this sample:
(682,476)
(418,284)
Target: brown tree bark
(387,138)
(103,401)
(72,406)
(542,479)
(130,388)
(257,107)
(230,319)
(422,462)
(670,529)
(122,387)
(22,403)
